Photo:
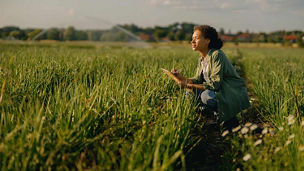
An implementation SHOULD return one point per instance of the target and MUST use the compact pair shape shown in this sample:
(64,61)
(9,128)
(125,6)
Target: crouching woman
(216,85)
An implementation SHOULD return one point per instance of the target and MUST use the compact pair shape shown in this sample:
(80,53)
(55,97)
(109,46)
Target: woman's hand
(182,84)
(176,73)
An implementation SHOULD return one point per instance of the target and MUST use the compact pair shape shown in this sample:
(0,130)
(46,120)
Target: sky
(233,15)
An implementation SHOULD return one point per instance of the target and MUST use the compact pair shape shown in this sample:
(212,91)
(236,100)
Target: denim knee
(208,98)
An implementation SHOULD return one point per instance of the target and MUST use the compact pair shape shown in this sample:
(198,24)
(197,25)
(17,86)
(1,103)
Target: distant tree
(277,38)
(263,37)
(180,35)
(235,40)
(106,36)
(131,27)
(286,43)
(32,34)
(256,38)
(239,33)
(222,31)
(53,34)
(6,30)
(69,33)
(17,34)
(269,38)
(159,33)
(187,27)
(148,30)
(1,30)
(26,31)
(188,36)
(121,36)
(81,35)
(300,42)
(94,35)
(174,27)
(171,36)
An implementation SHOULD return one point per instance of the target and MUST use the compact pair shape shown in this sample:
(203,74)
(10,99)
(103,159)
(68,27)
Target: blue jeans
(205,99)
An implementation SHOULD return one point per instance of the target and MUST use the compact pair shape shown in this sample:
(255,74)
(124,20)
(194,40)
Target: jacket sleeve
(216,72)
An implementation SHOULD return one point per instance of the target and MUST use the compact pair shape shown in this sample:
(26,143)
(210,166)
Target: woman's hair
(211,34)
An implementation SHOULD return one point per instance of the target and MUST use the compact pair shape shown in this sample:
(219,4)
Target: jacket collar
(208,55)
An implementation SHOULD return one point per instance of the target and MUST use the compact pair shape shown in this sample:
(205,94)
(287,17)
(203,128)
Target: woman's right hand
(175,72)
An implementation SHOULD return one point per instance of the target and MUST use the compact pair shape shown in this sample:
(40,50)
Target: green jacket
(229,87)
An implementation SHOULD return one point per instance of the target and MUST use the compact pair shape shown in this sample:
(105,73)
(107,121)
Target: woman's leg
(208,99)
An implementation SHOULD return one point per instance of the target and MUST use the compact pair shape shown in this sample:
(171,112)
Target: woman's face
(199,42)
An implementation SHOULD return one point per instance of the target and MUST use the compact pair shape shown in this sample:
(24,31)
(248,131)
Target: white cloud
(184,4)
(299,12)
(262,3)
(164,2)
(225,5)
(71,12)
(234,6)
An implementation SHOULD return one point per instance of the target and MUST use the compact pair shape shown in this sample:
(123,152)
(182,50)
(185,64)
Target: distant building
(146,37)
(244,37)
(165,39)
(227,37)
(291,38)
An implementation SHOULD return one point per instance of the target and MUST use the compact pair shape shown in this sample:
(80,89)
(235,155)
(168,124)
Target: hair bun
(219,43)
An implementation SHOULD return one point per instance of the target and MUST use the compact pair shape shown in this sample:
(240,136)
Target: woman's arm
(195,86)
(180,77)
(186,82)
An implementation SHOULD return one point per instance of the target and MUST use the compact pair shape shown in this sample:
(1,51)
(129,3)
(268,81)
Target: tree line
(172,32)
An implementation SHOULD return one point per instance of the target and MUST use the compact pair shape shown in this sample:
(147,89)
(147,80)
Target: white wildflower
(225,133)
(291,136)
(301,147)
(287,142)
(265,130)
(281,128)
(290,119)
(236,129)
(259,141)
(253,127)
(246,157)
(248,124)
(302,123)
(277,149)
(266,125)
(244,130)
(252,99)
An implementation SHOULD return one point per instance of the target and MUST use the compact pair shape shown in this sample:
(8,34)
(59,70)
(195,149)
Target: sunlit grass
(110,107)
(275,75)
(102,108)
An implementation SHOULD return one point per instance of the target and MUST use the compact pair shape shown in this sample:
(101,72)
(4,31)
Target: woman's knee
(208,98)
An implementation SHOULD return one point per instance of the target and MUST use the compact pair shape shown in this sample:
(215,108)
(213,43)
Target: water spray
(100,20)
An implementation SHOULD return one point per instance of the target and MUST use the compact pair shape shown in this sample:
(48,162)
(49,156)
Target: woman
(216,85)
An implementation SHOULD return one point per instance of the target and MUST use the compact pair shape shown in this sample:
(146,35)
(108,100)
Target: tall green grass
(93,108)
(277,79)
(67,106)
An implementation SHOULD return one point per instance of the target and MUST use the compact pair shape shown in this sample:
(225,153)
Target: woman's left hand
(182,84)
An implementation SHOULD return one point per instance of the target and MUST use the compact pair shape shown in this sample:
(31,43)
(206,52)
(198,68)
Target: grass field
(109,107)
